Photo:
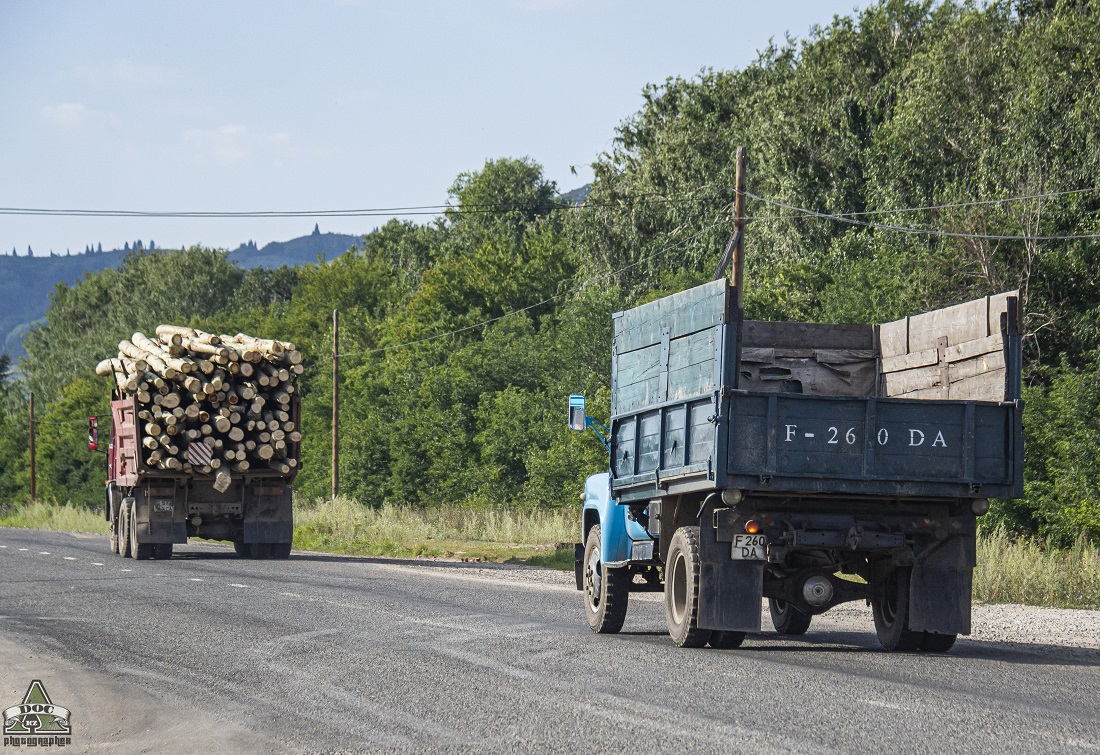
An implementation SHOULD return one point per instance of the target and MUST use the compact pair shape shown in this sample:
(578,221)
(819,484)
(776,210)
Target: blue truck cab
(809,464)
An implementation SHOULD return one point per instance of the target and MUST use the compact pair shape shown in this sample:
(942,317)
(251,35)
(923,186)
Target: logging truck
(204,442)
(808,464)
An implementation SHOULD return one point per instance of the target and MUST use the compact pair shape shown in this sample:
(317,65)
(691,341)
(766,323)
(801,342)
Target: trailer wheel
(260,550)
(280,550)
(112,514)
(682,590)
(937,643)
(241,549)
(890,606)
(138,551)
(606,591)
(162,551)
(123,529)
(787,619)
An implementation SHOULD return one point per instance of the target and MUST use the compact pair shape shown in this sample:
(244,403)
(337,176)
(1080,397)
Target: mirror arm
(595,425)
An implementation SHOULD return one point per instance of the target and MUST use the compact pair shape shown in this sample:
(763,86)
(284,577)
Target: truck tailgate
(874,446)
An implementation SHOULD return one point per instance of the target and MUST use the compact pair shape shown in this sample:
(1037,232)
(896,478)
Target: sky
(326,105)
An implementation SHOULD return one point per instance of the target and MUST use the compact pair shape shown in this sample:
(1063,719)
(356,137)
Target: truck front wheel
(890,606)
(606,591)
(682,590)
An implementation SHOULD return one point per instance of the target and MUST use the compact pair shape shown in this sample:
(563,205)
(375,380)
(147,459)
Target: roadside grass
(50,516)
(1009,570)
(1024,571)
(535,537)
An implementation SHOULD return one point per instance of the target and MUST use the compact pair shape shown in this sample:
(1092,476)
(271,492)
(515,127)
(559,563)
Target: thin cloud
(67,114)
(126,72)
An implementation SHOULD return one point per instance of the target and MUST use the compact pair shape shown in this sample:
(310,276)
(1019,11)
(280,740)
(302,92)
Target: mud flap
(269,520)
(939,592)
(729,591)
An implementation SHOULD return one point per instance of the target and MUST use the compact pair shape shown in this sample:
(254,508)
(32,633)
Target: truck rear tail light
(752,527)
(269,491)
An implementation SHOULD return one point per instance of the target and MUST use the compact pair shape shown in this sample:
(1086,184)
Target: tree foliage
(461,338)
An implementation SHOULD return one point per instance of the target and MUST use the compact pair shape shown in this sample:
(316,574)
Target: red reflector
(269,491)
(752,527)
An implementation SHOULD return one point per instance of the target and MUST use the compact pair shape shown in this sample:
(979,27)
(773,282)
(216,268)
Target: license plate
(749,548)
(162,505)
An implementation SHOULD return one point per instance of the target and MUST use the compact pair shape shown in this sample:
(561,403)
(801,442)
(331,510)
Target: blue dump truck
(809,464)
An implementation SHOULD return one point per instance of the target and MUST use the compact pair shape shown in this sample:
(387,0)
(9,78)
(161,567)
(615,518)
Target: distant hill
(26,282)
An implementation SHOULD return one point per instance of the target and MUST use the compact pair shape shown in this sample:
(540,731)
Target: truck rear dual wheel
(123,529)
(138,551)
(682,592)
(890,606)
(787,619)
(606,591)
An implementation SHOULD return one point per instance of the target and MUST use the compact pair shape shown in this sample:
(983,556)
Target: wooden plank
(757,355)
(635,397)
(956,353)
(901,384)
(683,313)
(637,366)
(988,386)
(696,348)
(893,338)
(968,321)
(998,305)
(763,334)
(693,380)
(910,361)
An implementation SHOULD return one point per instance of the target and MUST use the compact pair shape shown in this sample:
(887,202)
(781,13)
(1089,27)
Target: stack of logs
(210,403)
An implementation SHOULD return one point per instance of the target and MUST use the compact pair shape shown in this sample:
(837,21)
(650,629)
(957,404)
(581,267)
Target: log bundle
(210,404)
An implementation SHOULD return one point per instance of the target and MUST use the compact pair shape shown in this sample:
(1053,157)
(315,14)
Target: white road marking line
(3,546)
(290,594)
(125,569)
(43,553)
(881,704)
(195,579)
(234,584)
(96,563)
(23,549)
(70,558)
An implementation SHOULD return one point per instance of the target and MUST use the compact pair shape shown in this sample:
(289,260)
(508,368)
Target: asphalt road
(209,653)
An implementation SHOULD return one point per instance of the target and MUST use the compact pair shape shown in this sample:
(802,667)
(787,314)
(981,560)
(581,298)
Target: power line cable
(582,286)
(918,231)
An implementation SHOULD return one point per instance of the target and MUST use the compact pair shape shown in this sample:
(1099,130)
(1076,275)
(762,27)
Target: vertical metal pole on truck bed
(737,269)
(335,403)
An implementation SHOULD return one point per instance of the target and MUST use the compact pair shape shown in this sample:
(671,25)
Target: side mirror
(93,433)
(576,412)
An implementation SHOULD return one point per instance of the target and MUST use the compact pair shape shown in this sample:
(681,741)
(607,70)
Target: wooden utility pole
(32,447)
(737,269)
(335,403)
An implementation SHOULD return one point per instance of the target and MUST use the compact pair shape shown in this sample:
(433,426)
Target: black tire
(114,533)
(787,619)
(682,590)
(726,640)
(937,643)
(890,606)
(606,591)
(241,549)
(280,550)
(124,530)
(260,550)
(138,551)
(162,551)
